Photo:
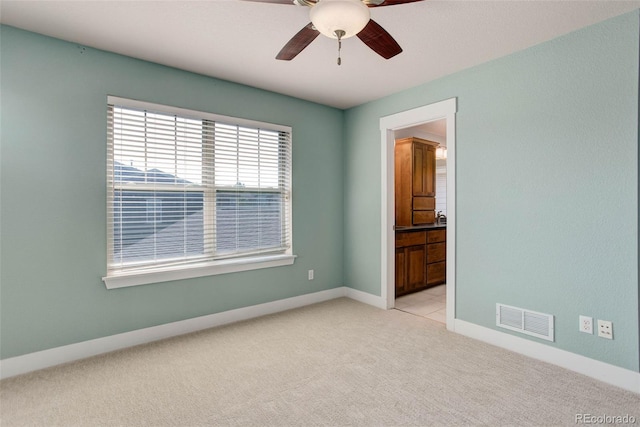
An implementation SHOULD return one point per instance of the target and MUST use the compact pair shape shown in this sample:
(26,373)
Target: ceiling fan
(341,19)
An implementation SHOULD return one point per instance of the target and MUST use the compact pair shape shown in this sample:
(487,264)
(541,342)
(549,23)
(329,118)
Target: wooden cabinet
(411,261)
(415,181)
(424,167)
(420,259)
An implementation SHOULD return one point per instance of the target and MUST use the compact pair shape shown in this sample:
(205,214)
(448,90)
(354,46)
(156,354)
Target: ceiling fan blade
(379,40)
(298,42)
(378,3)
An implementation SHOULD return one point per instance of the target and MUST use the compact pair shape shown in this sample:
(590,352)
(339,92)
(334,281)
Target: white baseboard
(55,356)
(366,298)
(614,375)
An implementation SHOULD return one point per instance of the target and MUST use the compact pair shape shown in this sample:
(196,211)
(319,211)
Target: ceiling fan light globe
(350,16)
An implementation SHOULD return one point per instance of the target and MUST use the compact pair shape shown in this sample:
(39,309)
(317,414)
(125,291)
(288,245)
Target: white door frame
(440,110)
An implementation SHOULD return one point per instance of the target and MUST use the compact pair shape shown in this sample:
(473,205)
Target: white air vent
(525,321)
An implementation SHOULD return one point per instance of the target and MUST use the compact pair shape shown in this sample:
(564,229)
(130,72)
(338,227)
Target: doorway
(389,125)
(429,302)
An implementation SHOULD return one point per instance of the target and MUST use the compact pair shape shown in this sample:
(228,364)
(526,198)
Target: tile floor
(430,303)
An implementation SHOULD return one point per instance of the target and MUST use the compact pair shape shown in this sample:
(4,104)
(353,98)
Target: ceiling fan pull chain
(339,34)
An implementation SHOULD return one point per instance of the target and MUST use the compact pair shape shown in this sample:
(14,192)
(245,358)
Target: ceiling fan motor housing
(329,16)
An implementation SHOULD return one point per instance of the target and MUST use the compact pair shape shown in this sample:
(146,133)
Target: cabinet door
(424,170)
(401,271)
(416,257)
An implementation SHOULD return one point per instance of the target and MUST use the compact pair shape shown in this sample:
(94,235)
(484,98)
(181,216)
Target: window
(192,194)
(441,180)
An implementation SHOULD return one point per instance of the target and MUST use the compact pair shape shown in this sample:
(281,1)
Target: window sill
(198,270)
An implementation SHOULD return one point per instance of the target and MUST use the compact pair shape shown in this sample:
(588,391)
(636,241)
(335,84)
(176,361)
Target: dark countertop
(421,227)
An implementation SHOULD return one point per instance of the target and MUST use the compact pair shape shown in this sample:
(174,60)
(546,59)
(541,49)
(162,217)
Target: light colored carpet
(335,363)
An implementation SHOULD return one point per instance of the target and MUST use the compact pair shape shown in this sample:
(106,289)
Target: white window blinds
(187,187)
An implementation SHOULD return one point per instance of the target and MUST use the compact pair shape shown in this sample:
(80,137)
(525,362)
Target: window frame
(156,274)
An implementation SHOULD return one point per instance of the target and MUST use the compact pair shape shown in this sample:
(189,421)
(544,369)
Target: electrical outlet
(586,324)
(310,274)
(605,329)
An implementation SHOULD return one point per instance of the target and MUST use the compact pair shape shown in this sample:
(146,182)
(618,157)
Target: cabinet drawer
(436,273)
(434,236)
(436,252)
(410,238)
(424,203)
(423,217)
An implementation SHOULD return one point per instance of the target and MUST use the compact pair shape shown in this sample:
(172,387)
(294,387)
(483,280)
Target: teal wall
(53,195)
(547,185)
(547,190)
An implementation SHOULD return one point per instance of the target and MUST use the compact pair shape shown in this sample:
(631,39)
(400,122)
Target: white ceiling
(238,40)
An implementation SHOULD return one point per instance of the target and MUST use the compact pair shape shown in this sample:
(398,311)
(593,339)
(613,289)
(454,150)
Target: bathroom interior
(420,158)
